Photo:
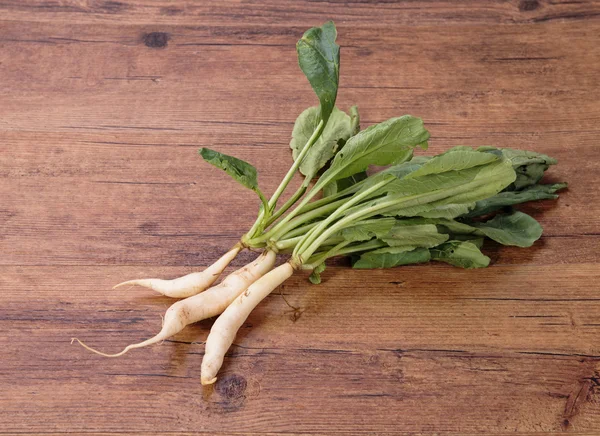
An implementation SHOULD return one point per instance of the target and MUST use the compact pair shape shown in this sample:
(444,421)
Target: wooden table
(103,105)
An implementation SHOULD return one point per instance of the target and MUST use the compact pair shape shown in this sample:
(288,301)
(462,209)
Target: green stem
(297,162)
(282,228)
(261,215)
(283,223)
(365,246)
(299,231)
(265,203)
(292,200)
(289,240)
(357,198)
(331,198)
(259,224)
(370,245)
(315,261)
(287,243)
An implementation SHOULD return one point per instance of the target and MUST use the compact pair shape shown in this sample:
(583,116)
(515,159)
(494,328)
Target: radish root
(190,284)
(205,305)
(226,326)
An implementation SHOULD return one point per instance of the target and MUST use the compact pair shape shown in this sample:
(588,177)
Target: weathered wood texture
(102,107)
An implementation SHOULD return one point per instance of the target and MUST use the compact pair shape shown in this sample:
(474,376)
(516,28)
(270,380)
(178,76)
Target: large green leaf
(337,131)
(510,198)
(436,195)
(516,228)
(386,143)
(391,257)
(455,160)
(490,180)
(464,254)
(525,157)
(528,165)
(414,196)
(445,173)
(319,60)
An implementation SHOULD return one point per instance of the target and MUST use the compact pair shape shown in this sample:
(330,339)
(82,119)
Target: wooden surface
(103,105)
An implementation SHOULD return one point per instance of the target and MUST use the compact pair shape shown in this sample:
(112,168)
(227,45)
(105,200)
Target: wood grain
(103,105)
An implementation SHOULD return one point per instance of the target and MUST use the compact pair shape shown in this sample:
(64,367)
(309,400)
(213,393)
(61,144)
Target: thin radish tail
(166,332)
(178,288)
(150,341)
(146,283)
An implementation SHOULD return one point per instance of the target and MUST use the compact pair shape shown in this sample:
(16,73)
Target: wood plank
(274,13)
(102,107)
(535,78)
(381,348)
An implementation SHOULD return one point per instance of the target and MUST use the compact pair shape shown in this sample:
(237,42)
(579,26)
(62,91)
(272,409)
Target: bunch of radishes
(419,209)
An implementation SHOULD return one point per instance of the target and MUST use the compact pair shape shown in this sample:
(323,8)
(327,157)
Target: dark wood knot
(156,39)
(528,5)
(231,386)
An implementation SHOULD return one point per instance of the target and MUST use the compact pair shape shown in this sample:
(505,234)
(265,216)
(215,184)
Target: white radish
(190,284)
(226,326)
(204,305)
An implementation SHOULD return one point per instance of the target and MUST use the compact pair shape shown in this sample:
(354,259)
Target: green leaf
(239,170)
(391,257)
(417,195)
(366,229)
(463,254)
(528,165)
(510,198)
(517,229)
(336,132)
(315,276)
(528,175)
(490,180)
(419,235)
(319,60)
(523,157)
(387,143)
(454,160)
(431,194)
(341,184)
